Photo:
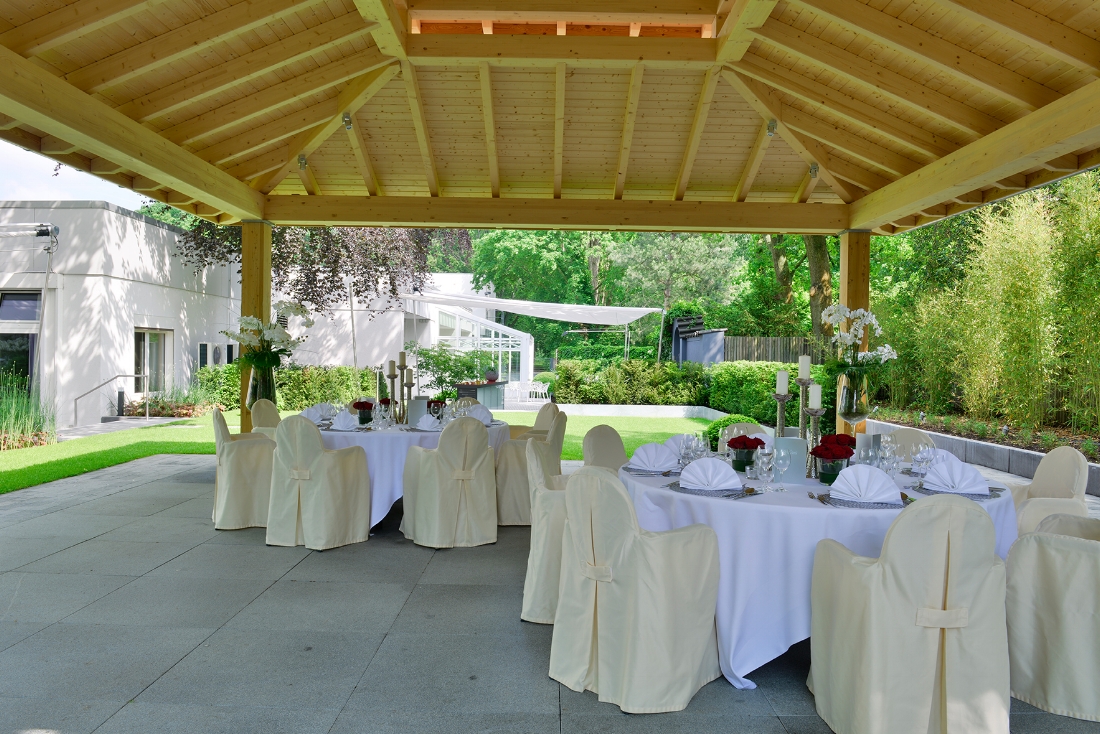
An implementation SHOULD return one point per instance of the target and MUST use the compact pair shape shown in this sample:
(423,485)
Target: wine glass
(687,452)
(867,455)
(435,410)
(923,459)
(782,462)
(765,467)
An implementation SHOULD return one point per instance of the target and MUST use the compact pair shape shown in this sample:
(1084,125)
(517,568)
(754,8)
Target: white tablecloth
(766,550)
(386,458)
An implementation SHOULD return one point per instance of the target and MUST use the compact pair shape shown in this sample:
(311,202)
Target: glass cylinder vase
(852,404)
(261,385)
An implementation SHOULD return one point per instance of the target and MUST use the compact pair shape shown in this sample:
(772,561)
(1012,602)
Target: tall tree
(821,282)
(777,246)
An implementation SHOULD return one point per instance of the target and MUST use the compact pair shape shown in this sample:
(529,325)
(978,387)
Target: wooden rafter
(734,38)
(391,30)
(632,96)
(615,12)
(192,38)
(194,89)
(594,52)
(906,91)
(359,149)
(309,179)
(254,139)
(38,98)
(351,99)
(752,165)
(647,215)
(559,125)
(416,106)
(490,127)
(839,138)
(944,55)
(806,187)
(1034,29)
(698,123)
(68,22)
(1070,124)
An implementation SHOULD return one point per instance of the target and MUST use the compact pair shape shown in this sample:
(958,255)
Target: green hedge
(747,388)
(297,387)
(604,352)
(630,382)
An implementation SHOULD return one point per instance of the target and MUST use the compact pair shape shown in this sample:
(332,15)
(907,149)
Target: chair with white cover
(603,446)
(242,481)
(914,640)
(320,498)
(909,441)
(540,587)
(1058,487)
(513,489)
(1053,627)
(450,493)
(635,616)
(544,421)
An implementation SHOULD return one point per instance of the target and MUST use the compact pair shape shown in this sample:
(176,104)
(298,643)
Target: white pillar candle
(815,396)
(781,380)
(804,367)
(392,370)
(408,375)
(401,360)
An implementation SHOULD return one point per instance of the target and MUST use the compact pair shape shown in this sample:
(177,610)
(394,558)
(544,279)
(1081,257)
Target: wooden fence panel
(770,349)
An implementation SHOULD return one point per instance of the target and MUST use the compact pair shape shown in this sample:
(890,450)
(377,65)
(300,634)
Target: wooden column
(255,291)
(855,291)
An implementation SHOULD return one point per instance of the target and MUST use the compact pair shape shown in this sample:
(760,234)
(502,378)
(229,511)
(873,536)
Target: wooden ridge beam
(38,98)
(416,106)
(351,100)
(559,125)
(490,127)
(67,22)
(944,55)
(246,108)
(698,123)
(1033,29)
(921,141)
(192,38)
(598,12)
(359,149)
(633,94)
(1072,123)
(752,165)
(734,38)
(488,213)
(245,68)
(391,30)
(894,85)
(594,52)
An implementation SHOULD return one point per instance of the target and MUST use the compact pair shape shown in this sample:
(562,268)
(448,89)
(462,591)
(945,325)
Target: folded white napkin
(428,423)
(480,412)
(712,474)
(345,421)
(654,457)
(676,442)
(769,441)
(955,476)
(314,413)
(865,483)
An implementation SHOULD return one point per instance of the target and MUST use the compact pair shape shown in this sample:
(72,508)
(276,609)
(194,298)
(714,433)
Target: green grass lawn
(27,467)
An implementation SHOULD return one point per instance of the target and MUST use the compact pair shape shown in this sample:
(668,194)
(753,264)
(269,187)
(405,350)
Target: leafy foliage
(714,430)
(441,367)
(298,387)
(746,388)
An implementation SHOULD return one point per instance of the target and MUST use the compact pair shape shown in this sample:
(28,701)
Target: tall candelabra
(409,385)
(815,439)
(803,400)
(781,400)
(395,397)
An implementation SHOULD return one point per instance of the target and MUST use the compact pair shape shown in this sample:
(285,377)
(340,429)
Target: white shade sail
(578,313)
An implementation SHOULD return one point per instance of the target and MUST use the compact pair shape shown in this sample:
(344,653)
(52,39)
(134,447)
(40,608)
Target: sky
(26,176)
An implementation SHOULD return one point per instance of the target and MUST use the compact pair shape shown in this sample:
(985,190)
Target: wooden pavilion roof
(736,115)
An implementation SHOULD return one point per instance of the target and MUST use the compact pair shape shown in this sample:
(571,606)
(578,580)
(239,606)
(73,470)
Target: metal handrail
(76,415)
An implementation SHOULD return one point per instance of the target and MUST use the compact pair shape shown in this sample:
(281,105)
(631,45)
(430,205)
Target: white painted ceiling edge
(577,313)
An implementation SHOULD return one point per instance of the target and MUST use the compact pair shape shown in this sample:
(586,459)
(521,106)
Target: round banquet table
(386,458)
(766,550)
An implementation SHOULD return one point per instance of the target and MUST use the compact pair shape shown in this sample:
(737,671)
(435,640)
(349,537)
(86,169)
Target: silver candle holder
(408,400)
(395,398)
(781,400)
(803,400)
(815,439)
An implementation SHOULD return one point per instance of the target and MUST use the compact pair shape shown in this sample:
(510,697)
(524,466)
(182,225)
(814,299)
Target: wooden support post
(855,292)
(255,291)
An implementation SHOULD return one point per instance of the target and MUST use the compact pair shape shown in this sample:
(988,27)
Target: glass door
(151,353)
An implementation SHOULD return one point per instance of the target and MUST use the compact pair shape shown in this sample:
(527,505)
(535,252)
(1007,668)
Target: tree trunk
(821,282)
(782,267)
(594,272)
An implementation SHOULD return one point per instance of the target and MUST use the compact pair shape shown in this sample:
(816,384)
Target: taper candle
(804,367)
(782,382)
(815,396)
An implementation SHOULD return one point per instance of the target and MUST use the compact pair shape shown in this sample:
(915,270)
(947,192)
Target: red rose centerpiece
(832,455)
(743,448)
(365,408)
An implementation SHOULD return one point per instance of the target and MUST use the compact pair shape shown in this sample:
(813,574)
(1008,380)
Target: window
(150,352)
(204,355)
(446,324)
(17,354)
(229,356)
(19,307)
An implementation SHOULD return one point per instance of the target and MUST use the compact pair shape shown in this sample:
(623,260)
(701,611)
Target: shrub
(24,419)
(1048,439)
(297,387)
(606,353)
(714,430)
(1089,448)
(222,383)
(177,402)
(578,382)
(746,388)
(641,382)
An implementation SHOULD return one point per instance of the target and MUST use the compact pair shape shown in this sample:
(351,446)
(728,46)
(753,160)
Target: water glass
(765,466)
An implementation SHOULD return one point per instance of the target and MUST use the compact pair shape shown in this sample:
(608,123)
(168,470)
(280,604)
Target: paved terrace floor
(123,610)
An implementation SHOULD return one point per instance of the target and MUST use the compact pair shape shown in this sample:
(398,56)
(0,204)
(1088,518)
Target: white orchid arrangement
(860,323)
(265,344)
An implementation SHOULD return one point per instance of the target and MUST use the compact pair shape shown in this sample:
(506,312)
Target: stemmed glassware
(782,462)
(435,409)
(867,455)
(922,460)
(888,458)
(764,464)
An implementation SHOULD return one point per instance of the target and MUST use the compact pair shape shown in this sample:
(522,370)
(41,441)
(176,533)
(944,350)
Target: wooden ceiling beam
(734,37)
(890,83)
(752,165)
(1072,123)
(351,99)
(309,180)
(490,127)
(633,94)
(249,107)
(416,106)
(593,52)
(859,112)
(68,22)
(698,123)
(583,214)
(943,55)
(359,149)
(244,144)
(850,143)
(1033,29)
(38,98)
(559,125)
(194,89)
(257,166)
(186,40)
(615,12)
(391,32)
(857,175)
(806,188)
